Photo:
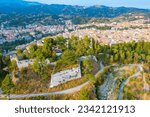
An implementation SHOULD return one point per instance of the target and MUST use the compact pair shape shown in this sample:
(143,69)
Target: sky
(114,3)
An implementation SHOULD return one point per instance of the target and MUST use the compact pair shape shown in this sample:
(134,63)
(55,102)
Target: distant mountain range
(24,7)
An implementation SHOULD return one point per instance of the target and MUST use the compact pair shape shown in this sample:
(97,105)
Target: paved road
(124,83)
(146,85)
(0,91)
(101,66)
(71,90)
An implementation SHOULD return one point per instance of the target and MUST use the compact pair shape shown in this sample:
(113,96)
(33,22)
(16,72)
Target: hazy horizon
(114,3)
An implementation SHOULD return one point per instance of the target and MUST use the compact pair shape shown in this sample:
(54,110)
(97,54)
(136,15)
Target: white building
(65,76)
(24,63)
(82,58)
(13,57)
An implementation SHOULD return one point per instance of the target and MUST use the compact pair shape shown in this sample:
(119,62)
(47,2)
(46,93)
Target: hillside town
(136,30)
(66,57)
(32,31)
(119,32)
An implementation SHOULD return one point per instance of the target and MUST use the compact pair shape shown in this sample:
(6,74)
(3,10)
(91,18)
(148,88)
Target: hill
(24,7)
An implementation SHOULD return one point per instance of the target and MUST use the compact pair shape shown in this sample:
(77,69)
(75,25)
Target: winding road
(0,91)
(146,87)
(71,90)
(120,96)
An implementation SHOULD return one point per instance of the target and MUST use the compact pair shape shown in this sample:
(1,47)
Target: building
(24,63)
(90,56)
(13,57)
(65,76)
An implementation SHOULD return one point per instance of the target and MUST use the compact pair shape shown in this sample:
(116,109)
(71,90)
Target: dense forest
(126,53)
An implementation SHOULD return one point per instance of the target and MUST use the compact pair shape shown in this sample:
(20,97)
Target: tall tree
(87,66)
(13,66)
(7,84)
(48,47)
(32,50)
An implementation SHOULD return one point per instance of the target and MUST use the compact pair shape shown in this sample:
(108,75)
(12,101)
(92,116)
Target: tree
(1,62)
(73,42)
(48,47)
(7,84)
(84,94)
(90,77)
(39,54)
(148,58)
(1,68)
(61,43)
(87,66)
(13,66)
(32,50)
(69,58)
(20,54)
(84,47)
(41,68)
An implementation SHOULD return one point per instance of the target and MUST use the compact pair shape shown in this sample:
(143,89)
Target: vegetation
(69,84)
(87,66)
(147,72)
(36,78)
(42,68)
(101,76)
(134,90)
(13,66)
(97,27)
(12,45)
(86,93)
(28,81)
(2,65)
(119,74)
(7,84)
(126,53)
(68,59)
